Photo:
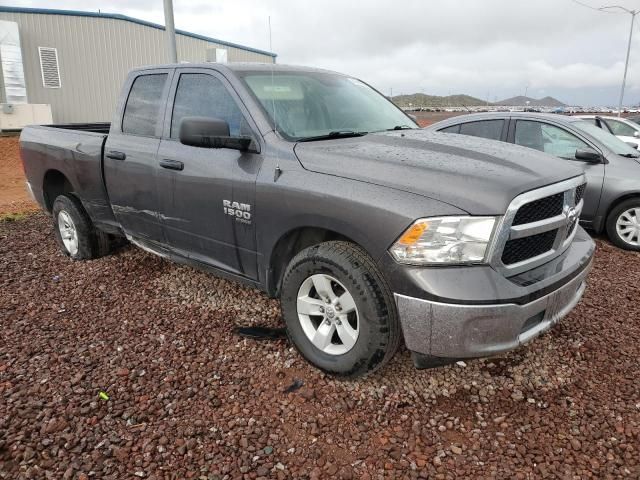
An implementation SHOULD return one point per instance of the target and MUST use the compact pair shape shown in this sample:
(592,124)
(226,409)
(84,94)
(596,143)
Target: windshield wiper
(334,134)
(629,155)
(400,127)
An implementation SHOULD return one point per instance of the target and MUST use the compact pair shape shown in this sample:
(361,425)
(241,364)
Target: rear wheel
(623,224)
(339,312)
(75,233)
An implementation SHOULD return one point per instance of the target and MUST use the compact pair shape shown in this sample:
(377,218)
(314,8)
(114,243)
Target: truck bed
(72,150)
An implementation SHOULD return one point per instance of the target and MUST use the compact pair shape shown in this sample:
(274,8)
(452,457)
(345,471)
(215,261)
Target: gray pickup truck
(313,187)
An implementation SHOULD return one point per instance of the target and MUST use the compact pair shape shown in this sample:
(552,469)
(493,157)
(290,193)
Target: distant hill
(521,100)
(420,99)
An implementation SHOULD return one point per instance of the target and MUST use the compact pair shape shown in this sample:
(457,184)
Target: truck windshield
(319,105)
(610,141)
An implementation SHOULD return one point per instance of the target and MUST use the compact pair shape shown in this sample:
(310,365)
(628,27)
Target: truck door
(130,163)
(208,208)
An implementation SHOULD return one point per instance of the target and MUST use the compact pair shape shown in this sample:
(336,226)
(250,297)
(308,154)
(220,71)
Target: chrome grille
(540,209)
(538,226)
(580,192)
(528,247)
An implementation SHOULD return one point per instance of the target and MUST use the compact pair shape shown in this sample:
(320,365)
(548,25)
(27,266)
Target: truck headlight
(445,240)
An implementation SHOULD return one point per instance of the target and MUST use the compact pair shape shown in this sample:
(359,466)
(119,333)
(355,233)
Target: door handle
(116,155)
(171,164)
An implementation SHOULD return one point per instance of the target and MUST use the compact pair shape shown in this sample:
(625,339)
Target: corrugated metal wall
(94,56)
(3,98)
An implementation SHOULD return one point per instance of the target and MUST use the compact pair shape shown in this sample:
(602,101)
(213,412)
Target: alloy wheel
(68,232)
(328,314)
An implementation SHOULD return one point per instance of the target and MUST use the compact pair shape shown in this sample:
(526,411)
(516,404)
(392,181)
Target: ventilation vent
(49,67)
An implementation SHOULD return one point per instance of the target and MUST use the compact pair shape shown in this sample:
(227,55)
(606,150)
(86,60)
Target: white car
(625,130)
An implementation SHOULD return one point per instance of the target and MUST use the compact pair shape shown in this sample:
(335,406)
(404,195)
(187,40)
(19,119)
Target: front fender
(370,215)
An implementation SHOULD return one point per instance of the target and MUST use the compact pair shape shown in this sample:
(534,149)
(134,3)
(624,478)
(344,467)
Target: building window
(49,67)
(221,55)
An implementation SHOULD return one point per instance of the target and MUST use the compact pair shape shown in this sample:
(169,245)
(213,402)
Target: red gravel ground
(189,399)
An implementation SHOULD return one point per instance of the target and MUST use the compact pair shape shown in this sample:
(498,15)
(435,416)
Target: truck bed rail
(84,127)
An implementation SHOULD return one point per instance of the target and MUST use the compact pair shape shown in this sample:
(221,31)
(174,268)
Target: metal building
(76,61)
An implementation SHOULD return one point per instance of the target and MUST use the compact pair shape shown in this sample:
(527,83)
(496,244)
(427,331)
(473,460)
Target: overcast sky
(490,48)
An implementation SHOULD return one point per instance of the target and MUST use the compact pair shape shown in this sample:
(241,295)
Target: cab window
(203,95)
(141,113)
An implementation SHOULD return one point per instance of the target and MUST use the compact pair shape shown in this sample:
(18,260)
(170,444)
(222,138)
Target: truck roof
(240,67)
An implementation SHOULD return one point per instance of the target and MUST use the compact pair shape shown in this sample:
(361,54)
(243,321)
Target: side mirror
(588,155)
(636,134)
(415,119)
(208,132)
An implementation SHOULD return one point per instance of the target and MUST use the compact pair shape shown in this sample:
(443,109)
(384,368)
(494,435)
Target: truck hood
(476,175)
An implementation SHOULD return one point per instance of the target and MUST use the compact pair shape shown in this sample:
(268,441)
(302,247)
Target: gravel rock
(189,399)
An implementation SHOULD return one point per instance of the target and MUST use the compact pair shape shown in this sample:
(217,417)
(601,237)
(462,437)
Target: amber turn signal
(413,234)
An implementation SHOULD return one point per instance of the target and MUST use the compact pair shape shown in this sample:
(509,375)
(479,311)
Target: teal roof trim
(117,16)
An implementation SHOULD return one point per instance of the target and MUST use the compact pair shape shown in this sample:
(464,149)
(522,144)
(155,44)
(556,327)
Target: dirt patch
(13,193)
(427,118)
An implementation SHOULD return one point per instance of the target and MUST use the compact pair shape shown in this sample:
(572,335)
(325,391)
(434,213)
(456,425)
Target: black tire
(92,243)
(379,328)
(612,219)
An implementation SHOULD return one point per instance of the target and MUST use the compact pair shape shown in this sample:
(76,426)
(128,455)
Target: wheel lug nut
(338,307)
(327,322)
(338,322)
(321,309)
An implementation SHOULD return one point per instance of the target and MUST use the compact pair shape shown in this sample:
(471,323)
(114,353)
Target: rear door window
(491,129)
(598,122)
(451,129)
(142,111)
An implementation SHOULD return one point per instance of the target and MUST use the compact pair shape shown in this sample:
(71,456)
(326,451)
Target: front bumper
(470,329)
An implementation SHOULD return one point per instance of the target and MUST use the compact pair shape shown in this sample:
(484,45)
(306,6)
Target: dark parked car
(612,199)
(314,188)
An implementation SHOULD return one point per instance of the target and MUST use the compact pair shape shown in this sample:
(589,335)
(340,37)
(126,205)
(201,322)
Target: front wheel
(339,311)
(623,224)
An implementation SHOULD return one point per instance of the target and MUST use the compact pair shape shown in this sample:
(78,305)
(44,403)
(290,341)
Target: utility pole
(626,63)
(170,31)
(633,13)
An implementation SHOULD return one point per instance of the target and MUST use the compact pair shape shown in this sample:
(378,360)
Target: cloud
(575,75)
(493,47)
